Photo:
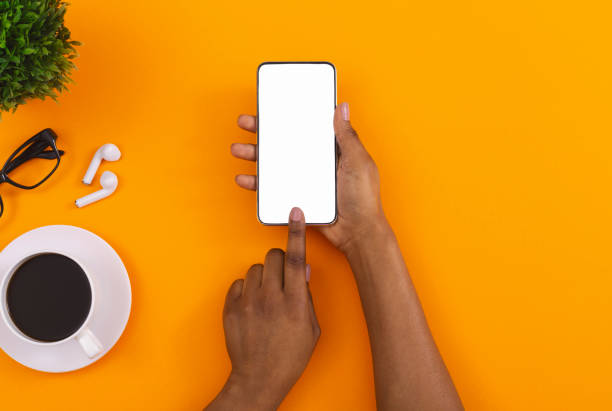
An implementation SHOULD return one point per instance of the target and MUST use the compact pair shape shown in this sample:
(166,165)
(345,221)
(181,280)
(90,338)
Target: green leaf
(35,51)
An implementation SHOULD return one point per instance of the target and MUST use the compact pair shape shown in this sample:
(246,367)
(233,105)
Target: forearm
(408,370)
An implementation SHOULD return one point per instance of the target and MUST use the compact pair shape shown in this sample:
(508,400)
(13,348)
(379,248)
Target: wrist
(377,231)
(246,394)
(366,256)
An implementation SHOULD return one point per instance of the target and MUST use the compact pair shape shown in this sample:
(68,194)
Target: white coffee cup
(84,336)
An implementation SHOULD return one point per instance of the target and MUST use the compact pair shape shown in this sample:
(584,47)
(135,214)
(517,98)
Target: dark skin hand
(358,187)
(409,371)
(270,327)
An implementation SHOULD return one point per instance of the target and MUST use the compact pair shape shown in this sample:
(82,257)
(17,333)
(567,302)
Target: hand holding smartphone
(296,146)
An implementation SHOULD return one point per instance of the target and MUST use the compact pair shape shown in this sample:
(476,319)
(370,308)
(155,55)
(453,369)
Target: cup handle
(90,343)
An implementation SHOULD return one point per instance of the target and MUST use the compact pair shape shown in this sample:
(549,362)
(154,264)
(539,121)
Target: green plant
(35,51)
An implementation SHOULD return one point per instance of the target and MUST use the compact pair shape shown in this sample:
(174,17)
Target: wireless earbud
(108,152)
(109,183)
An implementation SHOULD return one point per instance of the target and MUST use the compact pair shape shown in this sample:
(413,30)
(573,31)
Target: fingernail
(307,273)
(296,214)
(345,112)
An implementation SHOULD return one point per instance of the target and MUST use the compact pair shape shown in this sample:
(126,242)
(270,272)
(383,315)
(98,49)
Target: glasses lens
(32,164)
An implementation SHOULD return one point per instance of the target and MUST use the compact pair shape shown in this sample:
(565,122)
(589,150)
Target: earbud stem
(93,167)
(93,197)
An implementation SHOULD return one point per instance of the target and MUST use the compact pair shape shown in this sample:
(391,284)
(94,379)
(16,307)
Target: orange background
(490,123)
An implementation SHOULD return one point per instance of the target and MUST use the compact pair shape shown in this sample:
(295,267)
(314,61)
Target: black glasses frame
(42,145)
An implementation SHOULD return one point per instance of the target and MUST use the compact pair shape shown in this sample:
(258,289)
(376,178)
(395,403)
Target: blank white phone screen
(296,143)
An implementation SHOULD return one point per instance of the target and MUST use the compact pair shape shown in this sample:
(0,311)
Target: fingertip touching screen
(296,159)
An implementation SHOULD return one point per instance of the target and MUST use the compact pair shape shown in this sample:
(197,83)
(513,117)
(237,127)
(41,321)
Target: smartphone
(296,144)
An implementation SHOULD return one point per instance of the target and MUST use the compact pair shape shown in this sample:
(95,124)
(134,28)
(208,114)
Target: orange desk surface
(491,126)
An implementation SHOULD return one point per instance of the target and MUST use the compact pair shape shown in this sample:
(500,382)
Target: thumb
(347,137)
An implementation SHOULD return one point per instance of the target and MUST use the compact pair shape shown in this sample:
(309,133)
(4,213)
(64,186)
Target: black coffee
(49,297)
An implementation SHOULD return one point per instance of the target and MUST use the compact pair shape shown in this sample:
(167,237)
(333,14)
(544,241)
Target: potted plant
(36,51)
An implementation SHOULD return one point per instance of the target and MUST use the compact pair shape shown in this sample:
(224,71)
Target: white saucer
(111,286)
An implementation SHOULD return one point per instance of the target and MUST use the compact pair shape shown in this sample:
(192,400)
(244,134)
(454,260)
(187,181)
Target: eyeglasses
(43,157)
